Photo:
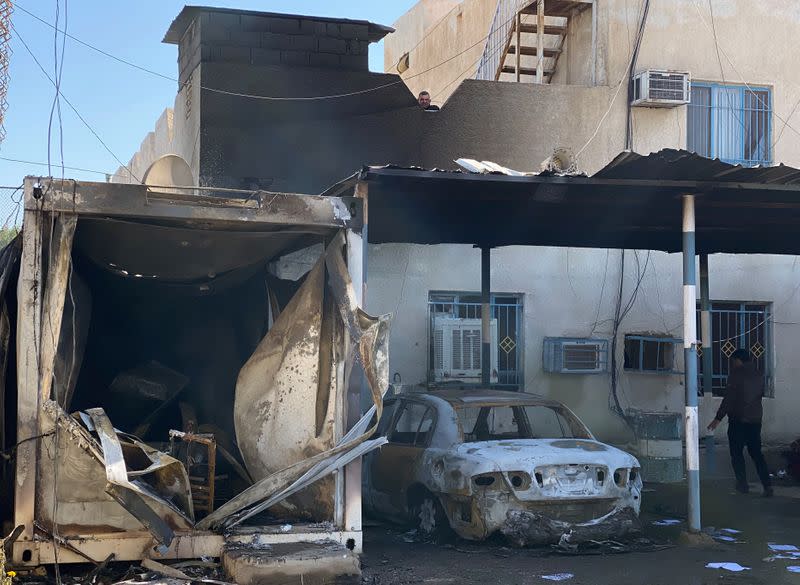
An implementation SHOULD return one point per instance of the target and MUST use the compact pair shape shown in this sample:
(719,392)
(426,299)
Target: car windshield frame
(577,428)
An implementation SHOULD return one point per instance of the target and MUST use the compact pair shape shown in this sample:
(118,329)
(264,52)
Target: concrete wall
(444,44)
(570,292)
(176,132)
(678,36)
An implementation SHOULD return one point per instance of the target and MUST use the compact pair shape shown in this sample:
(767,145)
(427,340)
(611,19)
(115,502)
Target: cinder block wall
(222,37)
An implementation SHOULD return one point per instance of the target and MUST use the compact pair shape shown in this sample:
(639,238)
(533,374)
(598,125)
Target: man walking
(742,406)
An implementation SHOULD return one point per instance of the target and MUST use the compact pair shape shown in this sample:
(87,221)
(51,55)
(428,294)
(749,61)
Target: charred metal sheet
(370,334)
(72,340)
(285,395)
(141,499)
(172,254)
(288,360)
(322,469)
(524,528)
(263,208)
(9,264)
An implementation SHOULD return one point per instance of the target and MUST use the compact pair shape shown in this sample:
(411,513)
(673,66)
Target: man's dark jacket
(743,395)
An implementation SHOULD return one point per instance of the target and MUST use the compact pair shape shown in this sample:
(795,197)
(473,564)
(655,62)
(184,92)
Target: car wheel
(429,516)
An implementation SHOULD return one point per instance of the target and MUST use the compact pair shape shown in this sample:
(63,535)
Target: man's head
(740,357)
(424,99)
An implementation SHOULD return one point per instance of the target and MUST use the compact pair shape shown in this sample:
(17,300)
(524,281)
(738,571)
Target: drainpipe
(486,330)
(690,362)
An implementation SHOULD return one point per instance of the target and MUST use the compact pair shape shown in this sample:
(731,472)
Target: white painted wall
(562,297)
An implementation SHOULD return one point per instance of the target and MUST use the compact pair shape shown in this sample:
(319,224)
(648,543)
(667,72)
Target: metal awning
(634,202)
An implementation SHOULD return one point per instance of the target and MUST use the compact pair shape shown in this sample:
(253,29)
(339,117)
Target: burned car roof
(458,397)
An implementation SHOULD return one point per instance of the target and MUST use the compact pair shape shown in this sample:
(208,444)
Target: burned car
(486,462)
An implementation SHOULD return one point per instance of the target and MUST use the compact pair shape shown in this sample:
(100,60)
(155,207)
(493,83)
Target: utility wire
(255,96)
(72,107)
(55,108)
(639,36)
(44,164)
(741,77)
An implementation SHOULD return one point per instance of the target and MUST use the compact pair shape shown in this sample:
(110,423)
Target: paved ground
(389,559)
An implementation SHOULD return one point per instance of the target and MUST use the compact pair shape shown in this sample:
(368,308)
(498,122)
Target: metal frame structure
(639,368)
(739,116)
(280,213)
(656,202)
(472,311)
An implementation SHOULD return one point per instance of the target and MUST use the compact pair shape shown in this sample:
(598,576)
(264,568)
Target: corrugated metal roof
(634,202)
(670,164)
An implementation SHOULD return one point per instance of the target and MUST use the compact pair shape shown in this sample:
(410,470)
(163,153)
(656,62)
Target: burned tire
(429,517)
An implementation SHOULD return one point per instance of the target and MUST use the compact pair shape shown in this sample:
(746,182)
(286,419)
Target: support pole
(519,47)
(357,247)
(690,362)
(705,326)
(486,329)
(708,354)
(539,41)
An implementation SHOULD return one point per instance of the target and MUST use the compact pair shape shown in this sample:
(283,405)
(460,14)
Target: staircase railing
(502,24)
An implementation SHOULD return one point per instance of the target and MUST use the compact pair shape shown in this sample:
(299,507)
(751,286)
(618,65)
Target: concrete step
(283,564)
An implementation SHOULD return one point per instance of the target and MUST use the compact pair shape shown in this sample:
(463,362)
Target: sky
(121,103)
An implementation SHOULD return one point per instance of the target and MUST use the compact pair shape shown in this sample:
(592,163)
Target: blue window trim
(639,368)
(743,89)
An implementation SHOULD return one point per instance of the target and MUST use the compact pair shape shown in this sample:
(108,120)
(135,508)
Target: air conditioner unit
(656,88)
(567,355)
(457,350)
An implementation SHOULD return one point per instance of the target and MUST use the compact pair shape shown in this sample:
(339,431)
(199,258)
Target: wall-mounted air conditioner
(655,88)
(457,350)
(569,355)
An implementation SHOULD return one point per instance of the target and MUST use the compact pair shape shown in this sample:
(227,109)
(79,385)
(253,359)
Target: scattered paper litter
(782,547)
(791,557)
(666,522)
(793,569)
(724,538)
(286,528)
(730,530)
(558,577)
(735,567)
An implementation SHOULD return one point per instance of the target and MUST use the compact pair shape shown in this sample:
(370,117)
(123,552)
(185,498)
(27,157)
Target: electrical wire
(608,110)
(741,77)
(255,96)
(263,97)
(632,67)
(58,68)
(72,107)
(44,164)
(602,292)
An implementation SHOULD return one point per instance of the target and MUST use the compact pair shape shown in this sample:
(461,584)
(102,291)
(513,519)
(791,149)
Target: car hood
(508,455)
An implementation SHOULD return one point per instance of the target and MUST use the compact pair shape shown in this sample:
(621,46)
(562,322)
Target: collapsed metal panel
(122,504)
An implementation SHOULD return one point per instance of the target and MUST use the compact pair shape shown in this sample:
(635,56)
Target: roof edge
(182,21)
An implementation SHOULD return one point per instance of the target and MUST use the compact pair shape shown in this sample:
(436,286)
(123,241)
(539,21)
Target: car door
(393,468)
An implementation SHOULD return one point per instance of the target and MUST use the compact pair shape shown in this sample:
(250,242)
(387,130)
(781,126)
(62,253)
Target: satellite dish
(169,170)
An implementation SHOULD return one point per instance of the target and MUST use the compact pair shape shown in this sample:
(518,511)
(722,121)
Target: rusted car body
(486,462)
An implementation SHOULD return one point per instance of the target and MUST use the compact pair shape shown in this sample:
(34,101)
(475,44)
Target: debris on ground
(783,547)
(558,577)
(793,569)
(727,535)
(733,567)
(667,522)
(608,547)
